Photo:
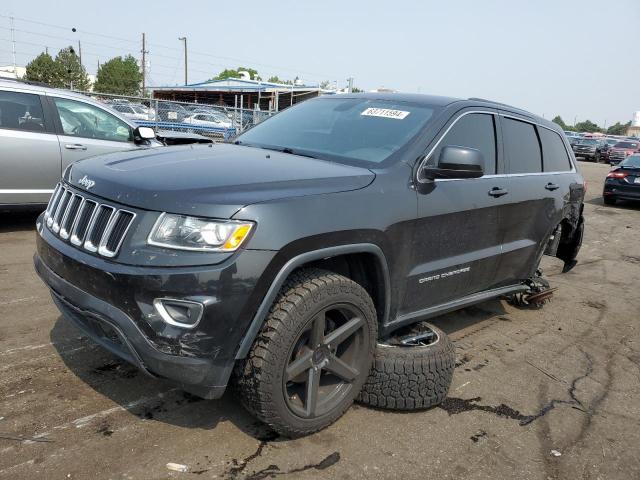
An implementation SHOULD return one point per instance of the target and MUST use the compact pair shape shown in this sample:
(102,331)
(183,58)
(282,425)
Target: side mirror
(456,162)
(143,133)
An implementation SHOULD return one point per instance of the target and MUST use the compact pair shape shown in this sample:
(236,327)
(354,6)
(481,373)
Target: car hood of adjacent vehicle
(210,180)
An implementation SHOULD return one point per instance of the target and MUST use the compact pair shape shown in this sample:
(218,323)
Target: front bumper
(113,305)
(585,154)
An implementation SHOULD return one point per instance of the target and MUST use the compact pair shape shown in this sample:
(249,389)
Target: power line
(192,52)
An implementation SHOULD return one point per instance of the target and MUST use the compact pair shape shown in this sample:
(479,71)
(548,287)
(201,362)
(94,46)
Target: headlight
(200,234)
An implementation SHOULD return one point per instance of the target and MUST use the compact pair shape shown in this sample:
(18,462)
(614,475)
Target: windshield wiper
(294,152)
(288,150)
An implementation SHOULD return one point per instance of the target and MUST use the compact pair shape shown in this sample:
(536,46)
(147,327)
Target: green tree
(558,121)
(618,128)
(44,69)
(230,73)
(587,126)
(119,75)
(71,72)
(276,79)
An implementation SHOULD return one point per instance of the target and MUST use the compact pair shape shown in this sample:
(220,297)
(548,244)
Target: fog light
(180,313)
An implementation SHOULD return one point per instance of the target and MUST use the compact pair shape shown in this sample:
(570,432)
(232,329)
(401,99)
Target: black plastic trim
(297,262)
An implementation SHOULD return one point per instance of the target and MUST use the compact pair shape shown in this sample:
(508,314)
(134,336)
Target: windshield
(611,141)
(626,145)
(347,130)
(588,141)
(632,161)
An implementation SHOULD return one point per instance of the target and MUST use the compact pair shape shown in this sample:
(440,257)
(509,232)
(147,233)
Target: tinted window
(476,131)
(554,154)
(626,145)
(81,119)
(347,130)
(21,111)
(521,146)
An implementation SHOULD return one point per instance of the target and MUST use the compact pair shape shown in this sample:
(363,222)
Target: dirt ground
(553,393)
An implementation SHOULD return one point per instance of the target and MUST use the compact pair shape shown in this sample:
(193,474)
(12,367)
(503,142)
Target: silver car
(42,130)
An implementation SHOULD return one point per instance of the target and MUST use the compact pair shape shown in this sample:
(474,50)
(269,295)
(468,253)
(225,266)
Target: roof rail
(477,99)
(27,82)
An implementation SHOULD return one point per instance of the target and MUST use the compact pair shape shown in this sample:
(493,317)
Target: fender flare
(297,262)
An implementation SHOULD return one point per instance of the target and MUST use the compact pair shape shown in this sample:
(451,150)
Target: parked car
(292,257)
(210,119)
(172,112)
(131,111)
(588,148)
(574,140)
(623,182)
(607,145)
(43,130)
(622,150)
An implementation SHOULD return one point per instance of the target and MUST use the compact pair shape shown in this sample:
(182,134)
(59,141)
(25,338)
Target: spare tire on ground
(412,370)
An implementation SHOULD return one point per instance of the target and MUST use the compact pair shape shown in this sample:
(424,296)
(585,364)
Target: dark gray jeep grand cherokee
(288,260)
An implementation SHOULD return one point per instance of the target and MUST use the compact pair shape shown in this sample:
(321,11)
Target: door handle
(497,192)
(74,146)
(551,186)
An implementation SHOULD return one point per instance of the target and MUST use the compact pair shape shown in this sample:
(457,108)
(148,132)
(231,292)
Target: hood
(213,180)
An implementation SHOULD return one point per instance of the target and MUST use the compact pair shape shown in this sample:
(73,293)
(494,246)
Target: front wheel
(609,200)
(313,354)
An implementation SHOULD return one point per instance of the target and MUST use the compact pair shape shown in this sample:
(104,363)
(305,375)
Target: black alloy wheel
(325,360)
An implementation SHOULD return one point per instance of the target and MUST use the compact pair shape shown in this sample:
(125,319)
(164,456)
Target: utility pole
(184,39)
(79,52)
(144,64)
(350,88)
(13,44)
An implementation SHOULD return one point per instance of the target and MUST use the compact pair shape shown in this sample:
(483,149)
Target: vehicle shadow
(145,397)
(622,204)
(157,400)
(18,221)
(458,321)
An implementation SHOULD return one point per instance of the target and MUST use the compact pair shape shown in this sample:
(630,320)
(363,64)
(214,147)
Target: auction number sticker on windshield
(385,113)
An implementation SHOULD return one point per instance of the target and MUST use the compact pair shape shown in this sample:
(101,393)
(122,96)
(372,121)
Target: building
(9,71)
(238,92)
(634,129)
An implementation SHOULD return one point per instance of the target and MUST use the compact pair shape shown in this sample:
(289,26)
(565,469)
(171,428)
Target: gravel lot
(542,394)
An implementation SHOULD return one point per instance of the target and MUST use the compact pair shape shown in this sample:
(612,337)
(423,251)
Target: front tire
(312,355)
(609,200)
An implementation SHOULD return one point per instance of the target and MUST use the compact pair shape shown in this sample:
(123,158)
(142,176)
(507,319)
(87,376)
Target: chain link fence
(215,121)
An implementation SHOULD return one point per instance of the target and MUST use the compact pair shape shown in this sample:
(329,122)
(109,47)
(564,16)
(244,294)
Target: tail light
(617,174)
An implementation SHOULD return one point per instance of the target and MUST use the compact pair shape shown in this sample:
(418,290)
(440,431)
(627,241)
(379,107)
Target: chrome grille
(95,227)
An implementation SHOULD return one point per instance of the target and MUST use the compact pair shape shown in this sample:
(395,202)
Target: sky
(577,59)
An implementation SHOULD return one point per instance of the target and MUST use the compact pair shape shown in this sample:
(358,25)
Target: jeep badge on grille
(86,182)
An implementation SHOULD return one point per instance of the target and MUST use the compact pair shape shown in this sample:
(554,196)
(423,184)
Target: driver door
(85,130)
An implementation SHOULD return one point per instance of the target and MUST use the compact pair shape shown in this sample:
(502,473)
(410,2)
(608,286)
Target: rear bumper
(622,192)
(114,330)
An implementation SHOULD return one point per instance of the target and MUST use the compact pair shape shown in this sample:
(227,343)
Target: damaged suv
(290,260)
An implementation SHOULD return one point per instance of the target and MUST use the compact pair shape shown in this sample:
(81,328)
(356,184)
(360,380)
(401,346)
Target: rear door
(86,130)
(30,159)
(536,197)
(457,239)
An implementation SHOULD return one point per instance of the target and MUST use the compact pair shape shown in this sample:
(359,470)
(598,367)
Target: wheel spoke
(341,369)
(317,330)
(339,335)
(299,365)
(311,400)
